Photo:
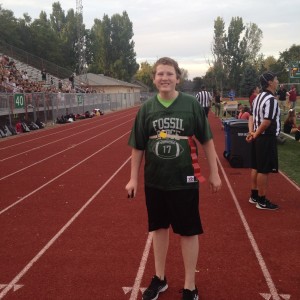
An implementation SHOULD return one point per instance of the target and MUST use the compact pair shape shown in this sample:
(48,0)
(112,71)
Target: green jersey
(162,133)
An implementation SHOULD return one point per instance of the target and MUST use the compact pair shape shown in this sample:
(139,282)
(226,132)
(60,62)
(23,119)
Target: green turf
(289,159)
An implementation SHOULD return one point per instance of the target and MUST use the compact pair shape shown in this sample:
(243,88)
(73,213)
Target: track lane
(226,257)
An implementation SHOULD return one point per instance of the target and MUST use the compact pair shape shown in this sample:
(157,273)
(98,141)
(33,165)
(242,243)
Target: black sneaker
(156,286)
(252,200)
(190,295)
(266,205)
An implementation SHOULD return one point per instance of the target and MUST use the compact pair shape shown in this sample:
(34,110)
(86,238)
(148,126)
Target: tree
(249,81)
(112,47)
(233,51)
(218,51)
(144,74)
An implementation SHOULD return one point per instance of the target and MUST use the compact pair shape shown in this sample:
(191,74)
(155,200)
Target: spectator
(60,84)
(217,104)
(253,93)
(4,60)
(292,97)
(231,94)
(44,75)
(282,93)
(204,98)
(244,113)
(290,126)
(71,79)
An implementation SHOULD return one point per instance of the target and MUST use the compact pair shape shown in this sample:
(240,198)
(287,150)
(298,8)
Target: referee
(204,98)
(264,127)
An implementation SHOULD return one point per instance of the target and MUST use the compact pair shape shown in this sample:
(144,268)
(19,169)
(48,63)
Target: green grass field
(289,159)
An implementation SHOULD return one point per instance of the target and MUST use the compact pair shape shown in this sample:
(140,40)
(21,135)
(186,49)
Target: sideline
(60,175)
(58,234)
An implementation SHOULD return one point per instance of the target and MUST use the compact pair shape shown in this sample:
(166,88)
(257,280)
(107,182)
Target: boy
(163,130)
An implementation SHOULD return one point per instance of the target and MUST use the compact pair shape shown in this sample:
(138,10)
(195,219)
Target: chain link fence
(47,107)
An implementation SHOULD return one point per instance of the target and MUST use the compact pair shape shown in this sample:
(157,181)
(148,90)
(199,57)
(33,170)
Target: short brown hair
(169,62)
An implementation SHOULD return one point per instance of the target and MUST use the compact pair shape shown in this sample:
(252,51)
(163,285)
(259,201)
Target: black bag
(25,127)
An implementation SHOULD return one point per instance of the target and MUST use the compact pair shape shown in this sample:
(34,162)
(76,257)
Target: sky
(184,29)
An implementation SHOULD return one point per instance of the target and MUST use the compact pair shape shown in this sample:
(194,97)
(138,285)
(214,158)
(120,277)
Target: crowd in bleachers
(13,80)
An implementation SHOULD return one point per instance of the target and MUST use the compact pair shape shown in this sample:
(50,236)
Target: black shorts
(179,208)
(264,156)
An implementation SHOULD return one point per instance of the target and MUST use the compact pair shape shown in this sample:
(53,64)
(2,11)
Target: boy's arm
(136,160)
(214,178)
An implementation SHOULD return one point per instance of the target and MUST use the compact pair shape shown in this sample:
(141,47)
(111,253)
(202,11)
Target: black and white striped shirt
(265,107)
(204,98)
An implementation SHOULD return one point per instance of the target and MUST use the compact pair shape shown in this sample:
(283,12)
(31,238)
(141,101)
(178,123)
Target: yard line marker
(58,234)
(140,273)
(251,238)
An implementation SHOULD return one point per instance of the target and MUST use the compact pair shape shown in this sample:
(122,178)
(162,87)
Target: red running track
(68,230)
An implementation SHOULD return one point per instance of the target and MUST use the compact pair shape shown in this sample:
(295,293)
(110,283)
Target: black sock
(254,194)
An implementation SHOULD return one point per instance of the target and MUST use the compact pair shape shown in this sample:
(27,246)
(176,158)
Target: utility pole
(80,42)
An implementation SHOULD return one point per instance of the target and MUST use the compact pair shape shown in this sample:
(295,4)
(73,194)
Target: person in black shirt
(282,92)
(217,104)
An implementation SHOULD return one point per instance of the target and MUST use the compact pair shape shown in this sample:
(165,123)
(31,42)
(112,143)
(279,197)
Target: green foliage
(108,47)
(233,51)
(249,80)
(144,74)
(112,47)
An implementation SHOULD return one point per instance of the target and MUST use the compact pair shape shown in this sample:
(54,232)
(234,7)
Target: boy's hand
(131,188)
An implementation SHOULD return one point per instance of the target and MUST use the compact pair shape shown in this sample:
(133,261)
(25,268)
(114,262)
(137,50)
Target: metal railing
(47,107)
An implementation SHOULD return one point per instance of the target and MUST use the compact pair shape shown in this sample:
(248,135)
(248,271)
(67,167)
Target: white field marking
(58,234)
(251,238)
(287,135)
(54,133)
(57,153)
(139,275)
(290,181)
(60,175)
(53,142)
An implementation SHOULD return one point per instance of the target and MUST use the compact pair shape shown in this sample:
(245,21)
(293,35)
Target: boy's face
(165,78)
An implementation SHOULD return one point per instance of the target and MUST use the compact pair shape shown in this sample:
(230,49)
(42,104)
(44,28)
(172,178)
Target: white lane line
(59,131)
(140,273)
(60,175)
(251,238)
(57,153)
(58,234)
(290,181)
(53,142)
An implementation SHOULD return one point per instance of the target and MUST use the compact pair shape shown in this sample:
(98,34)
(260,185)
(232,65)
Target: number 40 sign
(19,100)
